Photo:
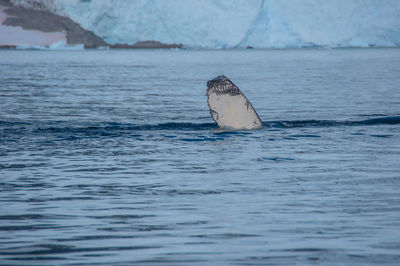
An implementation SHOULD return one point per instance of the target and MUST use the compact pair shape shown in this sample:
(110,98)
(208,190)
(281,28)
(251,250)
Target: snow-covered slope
(236,23)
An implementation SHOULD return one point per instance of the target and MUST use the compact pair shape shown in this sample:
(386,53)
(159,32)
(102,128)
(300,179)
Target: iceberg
(236,23)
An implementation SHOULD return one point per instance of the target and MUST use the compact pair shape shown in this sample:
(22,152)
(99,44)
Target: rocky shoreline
(22,21)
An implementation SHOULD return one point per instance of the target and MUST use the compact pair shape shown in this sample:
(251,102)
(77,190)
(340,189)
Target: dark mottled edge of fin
(222,85)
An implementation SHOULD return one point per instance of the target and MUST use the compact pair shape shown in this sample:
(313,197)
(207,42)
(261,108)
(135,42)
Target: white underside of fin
(233,111)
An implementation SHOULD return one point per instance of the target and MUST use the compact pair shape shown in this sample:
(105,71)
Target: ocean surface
(111,158)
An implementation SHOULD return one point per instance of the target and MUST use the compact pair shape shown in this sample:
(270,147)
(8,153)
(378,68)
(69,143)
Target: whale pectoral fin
(229,107)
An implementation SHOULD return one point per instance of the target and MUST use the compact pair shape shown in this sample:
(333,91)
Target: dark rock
(7,47)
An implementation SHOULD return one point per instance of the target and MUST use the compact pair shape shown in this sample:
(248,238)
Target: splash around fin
(229,108)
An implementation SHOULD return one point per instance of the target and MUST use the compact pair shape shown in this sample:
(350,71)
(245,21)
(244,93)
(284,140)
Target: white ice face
(237,23)
(229,107)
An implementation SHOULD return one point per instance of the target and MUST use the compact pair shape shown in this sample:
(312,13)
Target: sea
(111,157)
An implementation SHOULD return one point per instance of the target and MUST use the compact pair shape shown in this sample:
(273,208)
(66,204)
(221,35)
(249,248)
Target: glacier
(236,23)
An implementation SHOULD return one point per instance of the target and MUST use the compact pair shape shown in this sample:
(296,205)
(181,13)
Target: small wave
(110,127)
(389,120)
(117,129)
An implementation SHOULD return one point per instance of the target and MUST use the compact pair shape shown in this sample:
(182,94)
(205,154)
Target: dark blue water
(111,157)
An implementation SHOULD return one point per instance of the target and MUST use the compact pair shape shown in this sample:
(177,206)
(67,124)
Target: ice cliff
(236,23)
